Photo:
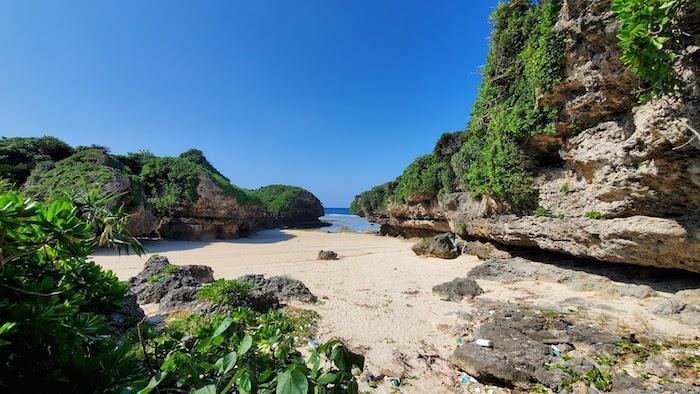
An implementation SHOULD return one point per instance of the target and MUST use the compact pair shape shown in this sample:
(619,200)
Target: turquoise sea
(342,220)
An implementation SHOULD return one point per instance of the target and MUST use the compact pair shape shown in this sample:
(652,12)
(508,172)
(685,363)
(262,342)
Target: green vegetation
(47,168)
(278,199)
(593,215)
(245,352)
(225,292)
(19,156)
(565,188)
(544,212)
(425,178)
(90,166)
(594,376)
(373,201)
(53,302)
(491,157)
(523,62)
(55,335)
(651,42)
(170,182)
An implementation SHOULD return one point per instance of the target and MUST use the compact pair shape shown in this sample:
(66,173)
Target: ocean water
(342,220)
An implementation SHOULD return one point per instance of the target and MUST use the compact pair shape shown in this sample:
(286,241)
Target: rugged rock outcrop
(159,278)
(530,347)
(283,287)
(213,215)
(442,246)
(175,288)
(616,181)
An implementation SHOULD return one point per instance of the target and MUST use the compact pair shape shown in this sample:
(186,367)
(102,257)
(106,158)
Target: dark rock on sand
(457,289)
(442,246)
(327,255)
(521,340)
(159,278)
(483,250)
(282,287)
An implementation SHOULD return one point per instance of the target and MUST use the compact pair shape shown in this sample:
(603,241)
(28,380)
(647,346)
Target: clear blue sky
(335,96)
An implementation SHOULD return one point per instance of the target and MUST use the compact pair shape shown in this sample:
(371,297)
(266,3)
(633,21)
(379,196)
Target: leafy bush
(246,352)
(651,42)
(135,160)
(53,301)
(225,292)
(543,212)
(19,156)
(593,215)
(91,167)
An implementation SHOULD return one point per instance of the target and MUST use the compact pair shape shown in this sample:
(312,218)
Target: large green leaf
(292,382)
(226,363)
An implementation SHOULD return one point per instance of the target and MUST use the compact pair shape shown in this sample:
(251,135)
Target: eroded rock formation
(617,181)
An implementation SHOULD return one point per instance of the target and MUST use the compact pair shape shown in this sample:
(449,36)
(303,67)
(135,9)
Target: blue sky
(335,96)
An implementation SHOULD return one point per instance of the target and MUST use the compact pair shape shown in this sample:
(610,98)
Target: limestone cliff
(182,197)
(611,179)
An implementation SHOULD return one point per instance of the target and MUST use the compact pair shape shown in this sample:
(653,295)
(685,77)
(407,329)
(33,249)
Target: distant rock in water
(181,197)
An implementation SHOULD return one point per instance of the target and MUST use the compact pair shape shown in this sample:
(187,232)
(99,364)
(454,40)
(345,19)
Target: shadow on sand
(164,246)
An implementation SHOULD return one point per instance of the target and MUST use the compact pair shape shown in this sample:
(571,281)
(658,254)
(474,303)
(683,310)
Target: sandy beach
(377,297)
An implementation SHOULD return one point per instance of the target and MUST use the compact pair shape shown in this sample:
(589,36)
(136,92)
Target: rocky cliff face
(616,181)
(181,197)
(214,215)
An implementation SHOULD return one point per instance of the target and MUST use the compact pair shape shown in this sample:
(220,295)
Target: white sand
(378,297)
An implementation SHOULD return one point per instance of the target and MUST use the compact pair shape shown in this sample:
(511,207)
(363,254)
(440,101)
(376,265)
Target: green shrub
(593,215)
(543,212)
(245,352)
(225,292)
(565,188)
(53,301)
(651,42)
(87,168)
(135,160)
(19,156)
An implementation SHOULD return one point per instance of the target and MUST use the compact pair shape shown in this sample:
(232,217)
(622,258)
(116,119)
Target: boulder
(159,278)
(282,287)
(327,255)
(483,250)
(457,289)
(442,246)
